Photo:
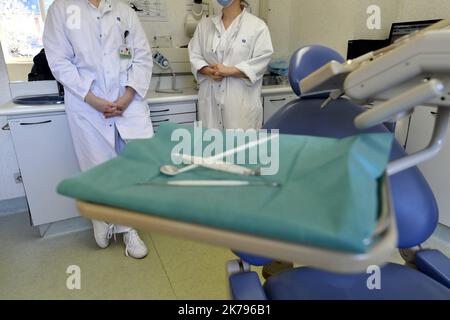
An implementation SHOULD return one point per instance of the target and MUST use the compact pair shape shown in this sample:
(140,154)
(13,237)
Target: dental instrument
(172,170)
(212,183)
(217,165)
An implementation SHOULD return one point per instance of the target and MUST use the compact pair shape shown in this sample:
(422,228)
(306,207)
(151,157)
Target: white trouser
(119,146)
(93,149)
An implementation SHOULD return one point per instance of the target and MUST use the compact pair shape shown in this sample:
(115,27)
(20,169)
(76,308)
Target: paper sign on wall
(150,10)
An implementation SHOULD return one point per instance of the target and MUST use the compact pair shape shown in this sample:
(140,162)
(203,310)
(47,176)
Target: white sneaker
(103,232)
(134,246)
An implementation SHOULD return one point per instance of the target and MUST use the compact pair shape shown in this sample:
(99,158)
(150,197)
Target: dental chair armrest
(435,265)
(247,287)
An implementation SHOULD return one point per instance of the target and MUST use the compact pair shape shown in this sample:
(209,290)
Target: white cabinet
(273,103)
(437,170)
(45,154)
(180,113)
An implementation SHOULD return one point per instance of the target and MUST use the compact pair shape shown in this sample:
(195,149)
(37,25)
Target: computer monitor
(401,29)
(357,48)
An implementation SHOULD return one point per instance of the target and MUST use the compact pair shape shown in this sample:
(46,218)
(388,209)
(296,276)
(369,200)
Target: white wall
(19,71)
(423,9)
(334,22)
(278,20)
(177,10)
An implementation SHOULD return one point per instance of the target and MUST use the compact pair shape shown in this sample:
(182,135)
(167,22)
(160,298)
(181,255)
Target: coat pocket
(242,49)
(125,66)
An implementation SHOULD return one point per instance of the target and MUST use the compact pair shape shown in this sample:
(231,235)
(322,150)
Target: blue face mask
(225,3)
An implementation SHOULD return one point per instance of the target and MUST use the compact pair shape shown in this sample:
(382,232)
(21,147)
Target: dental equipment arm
(414,71)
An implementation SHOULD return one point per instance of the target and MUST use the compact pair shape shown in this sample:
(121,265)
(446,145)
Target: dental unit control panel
(161,60)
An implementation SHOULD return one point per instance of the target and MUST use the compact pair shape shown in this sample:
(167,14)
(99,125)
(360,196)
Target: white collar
(217,19)
(104,5)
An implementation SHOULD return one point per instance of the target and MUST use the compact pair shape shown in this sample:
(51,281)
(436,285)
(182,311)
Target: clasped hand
(219,71)
(111,109)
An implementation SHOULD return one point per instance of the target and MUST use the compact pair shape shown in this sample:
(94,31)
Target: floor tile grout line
(163,266)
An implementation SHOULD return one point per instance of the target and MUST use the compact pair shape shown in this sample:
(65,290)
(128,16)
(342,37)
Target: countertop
(12,109)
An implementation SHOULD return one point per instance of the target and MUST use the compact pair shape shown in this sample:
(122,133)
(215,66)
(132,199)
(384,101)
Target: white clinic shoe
(103,232)
(134,246)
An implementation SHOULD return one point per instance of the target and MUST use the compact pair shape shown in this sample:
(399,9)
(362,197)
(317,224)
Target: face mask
(225,3)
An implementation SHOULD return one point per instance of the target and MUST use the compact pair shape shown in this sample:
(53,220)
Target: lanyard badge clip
(125,51)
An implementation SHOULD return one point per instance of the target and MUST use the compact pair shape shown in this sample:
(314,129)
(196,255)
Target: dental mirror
(173,171)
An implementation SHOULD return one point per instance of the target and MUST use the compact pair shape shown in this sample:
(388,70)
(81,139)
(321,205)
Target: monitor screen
(401,29)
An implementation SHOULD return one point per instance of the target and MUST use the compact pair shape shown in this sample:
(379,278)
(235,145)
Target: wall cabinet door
(45,154)
(272,104)
(436,170)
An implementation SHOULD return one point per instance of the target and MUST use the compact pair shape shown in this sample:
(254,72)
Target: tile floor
(35,268)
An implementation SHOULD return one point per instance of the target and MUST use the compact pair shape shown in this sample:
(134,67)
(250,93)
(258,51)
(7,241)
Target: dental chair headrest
(307,60)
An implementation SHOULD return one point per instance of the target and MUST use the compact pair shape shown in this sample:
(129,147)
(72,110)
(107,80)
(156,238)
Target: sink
(39,100)
(274,80)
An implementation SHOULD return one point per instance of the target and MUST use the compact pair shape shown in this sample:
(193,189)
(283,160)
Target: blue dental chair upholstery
(414,202)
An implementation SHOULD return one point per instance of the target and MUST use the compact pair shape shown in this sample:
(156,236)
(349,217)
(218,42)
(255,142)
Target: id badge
(125,52)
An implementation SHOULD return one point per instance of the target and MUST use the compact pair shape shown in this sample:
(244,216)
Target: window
(21,27)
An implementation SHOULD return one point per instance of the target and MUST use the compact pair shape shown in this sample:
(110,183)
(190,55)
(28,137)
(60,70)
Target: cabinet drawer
(170,109)
(272,104)
(190,124)
(185,118)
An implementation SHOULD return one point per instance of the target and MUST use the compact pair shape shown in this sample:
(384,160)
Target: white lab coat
(232,103)
(82,46)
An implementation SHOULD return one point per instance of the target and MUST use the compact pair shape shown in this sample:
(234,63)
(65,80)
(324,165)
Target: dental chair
(427,275)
